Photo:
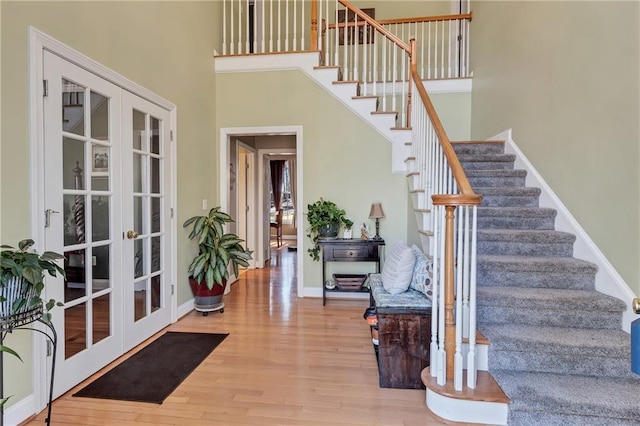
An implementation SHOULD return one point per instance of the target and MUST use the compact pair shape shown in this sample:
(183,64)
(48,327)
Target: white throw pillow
(422,279)
(398,268)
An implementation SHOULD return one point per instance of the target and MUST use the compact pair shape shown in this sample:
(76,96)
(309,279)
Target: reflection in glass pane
(155,175)
(74,267)
(100,217)
(155,135)
(155,254)
(139,126)
(99,117)
(155,214)
(74,219)
(137,214)
(99,160)
(155,293)
(100,183)
(140,300)
(138,172)
(72,163)
(101,268)
(101,323)
(72,107)
(75,325)
(138,258)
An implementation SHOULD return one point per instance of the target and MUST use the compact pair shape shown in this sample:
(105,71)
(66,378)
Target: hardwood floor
(287,361)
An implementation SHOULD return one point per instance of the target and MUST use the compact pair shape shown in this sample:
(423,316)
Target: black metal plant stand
(20,321)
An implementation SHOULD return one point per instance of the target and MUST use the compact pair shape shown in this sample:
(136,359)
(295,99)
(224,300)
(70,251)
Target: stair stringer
(608,280)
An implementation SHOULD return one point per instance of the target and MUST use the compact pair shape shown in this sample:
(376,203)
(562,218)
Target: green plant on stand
(22,274)
(325,219)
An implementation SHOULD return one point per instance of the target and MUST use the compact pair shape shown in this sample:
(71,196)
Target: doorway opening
(266,144)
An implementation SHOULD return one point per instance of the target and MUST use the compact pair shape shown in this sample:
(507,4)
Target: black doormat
(156,370)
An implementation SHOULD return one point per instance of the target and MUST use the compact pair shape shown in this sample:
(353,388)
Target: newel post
(314,25)
(449,298)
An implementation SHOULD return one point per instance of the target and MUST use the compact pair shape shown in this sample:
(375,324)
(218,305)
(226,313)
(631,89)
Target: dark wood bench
(404,335)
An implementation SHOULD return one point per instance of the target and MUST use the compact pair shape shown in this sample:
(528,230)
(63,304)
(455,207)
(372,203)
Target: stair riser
(509,201)
(487,165)
(545,362)
(498,222)
(496,182)
(499,248)
(570,281)
(538,418)
(496,314)
(478,148)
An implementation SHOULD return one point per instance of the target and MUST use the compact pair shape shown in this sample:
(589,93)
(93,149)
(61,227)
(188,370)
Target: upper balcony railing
(275,26)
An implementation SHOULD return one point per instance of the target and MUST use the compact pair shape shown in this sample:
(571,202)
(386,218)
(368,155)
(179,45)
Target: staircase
(556,345)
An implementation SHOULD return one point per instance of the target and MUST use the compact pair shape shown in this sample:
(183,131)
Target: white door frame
(38,43)
(251,194)
(225,136)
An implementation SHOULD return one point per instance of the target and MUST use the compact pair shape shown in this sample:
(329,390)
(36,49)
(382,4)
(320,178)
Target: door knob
(132,235)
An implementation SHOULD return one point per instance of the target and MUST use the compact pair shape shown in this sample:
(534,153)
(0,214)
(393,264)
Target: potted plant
(325,219)
(209,270)
(22,275)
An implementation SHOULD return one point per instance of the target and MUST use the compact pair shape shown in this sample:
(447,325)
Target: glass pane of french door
(146,172)
(82,150)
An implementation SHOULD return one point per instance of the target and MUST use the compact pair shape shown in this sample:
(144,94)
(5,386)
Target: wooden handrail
(427,19)
(408,20)
(375,25)
(454,163)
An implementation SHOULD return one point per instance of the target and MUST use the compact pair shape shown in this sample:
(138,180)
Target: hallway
(287,361)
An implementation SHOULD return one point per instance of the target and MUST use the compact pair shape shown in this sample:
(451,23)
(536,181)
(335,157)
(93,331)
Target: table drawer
(350,253)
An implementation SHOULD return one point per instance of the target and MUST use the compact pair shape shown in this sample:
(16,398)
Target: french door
(106,182)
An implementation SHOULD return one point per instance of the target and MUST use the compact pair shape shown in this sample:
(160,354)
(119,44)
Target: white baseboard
(186,307)
(461,410)
(608,280)
(20,411)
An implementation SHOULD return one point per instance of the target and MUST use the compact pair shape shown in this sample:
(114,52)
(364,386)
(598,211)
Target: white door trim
(225,136)
(39,42)
(251,197)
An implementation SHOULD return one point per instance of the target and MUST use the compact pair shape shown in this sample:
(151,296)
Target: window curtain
(277,175)
(294,186)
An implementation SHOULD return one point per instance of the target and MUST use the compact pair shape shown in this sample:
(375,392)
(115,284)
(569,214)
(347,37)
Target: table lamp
(377,214)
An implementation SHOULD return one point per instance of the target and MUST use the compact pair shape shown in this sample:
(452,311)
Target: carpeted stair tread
(487,157)
(526,212)
(525,235)
(536,264)
(559,350)
(462,148)
(549,299)
(575,341)
(545,399)
(496,178)
(508,196)
(497,173)
(539,243)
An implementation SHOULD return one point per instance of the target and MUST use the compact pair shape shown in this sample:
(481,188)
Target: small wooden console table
(348,250)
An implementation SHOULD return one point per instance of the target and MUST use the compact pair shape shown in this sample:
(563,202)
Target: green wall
(344,159)
(564,76)
(164,46)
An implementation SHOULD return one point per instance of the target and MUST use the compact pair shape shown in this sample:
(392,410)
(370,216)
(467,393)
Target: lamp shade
(376,211)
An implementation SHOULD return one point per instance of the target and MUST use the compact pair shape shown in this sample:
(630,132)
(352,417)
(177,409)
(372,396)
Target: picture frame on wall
(100,161)
(351,29)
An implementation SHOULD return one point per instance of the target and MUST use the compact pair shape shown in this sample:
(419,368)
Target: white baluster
(457,377)
(271,26)
(248,42)
(472,369)
(356,43)
(262,40)
(279,43)
(224,27)
(239,26)
(232,35)
(449,53)
(286,25)
(442,52)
